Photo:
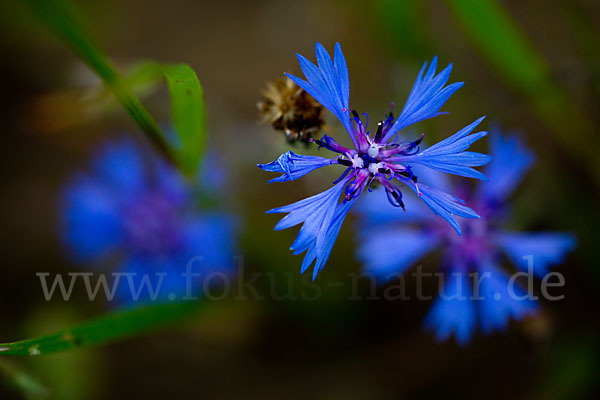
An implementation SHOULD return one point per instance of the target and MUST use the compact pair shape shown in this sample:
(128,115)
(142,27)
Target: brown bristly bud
(290,109)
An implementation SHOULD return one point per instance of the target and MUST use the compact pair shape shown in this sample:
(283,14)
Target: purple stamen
(379,132)
(343,175)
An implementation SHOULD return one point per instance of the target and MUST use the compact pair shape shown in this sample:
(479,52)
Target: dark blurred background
(544,82)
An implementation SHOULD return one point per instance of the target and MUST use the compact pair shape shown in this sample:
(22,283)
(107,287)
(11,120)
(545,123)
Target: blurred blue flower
(379,157)
(391,243)
(134,208)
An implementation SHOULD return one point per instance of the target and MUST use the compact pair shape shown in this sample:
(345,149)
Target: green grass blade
(110,327)
(187,100)
(188,113)
(62,19)
(495,35)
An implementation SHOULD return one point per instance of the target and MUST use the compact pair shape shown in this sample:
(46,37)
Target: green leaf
(143,73)
(495,35)
(189,117)
(187,108)
(110,327)
(186,93)
(70,374)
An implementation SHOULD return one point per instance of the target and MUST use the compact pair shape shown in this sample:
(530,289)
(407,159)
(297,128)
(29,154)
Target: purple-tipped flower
(376,156)
(391,243)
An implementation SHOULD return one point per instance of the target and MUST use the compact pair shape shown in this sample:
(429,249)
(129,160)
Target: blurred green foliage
(517,61)
(22,381)
(403,27)
(187,97)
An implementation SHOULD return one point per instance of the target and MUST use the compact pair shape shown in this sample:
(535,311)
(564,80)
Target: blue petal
(426,98)
(294,166)
(318,214)
(328,83)
(498,305)
(433,178)
(120,165)
(212,237)
(389,251)
(443,204)
(342,73)
(208,247)
(321,253)
(92,223)
(547,248)
(152,279)
(511,161)
(375,210)
(213,173)
(449,155)
(304,209)
(455,314)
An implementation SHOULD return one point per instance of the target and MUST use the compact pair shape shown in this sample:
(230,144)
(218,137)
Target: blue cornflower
(389,245)
(134,208)
(378,157)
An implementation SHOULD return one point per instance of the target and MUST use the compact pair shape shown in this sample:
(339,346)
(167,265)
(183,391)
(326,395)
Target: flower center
(474,240)
(153,224)
(373,150)
(358,162)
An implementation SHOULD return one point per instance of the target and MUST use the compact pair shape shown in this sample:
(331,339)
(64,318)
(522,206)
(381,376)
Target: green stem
(110,327)
(63,20)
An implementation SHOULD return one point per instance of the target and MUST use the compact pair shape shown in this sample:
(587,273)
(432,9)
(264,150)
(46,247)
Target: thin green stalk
(110,327)
(62,20)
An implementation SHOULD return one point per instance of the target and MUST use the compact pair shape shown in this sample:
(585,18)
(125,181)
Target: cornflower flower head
(374,157)
(391,243)
(133,209)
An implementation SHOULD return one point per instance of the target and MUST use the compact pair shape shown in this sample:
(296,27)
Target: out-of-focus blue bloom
(134,208)
(391,243)
(375,156)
